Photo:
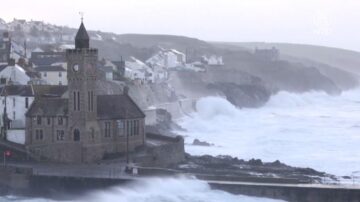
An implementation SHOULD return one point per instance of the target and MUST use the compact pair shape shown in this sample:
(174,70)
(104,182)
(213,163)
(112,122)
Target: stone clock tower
(82,103)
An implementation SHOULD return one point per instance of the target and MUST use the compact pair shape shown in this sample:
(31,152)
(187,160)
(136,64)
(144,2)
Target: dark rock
(244,95)
(255,162)
(276,163)
(201,143)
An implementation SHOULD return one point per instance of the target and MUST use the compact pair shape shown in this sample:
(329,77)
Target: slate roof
(117,107)
(33,74)
(49,90)
(48,107)
(19,90)
(106,68)
(2,67)
(47,58)
(108,107)
(82,38)
(50,68)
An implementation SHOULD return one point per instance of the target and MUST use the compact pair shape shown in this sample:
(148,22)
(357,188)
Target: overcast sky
(322,22)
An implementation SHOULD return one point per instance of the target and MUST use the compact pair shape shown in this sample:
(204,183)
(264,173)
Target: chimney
(126,90)
(6,35)
(11,62)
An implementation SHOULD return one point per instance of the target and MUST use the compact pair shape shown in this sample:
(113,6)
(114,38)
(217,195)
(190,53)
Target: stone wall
(293,193)
(170,151)
(89,149)
(179,108)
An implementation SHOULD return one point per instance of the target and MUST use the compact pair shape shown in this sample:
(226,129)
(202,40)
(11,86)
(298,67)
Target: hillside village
(162,72)
(28,72)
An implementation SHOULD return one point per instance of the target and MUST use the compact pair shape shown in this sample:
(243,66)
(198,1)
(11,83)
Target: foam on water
(160,190)
(308,130)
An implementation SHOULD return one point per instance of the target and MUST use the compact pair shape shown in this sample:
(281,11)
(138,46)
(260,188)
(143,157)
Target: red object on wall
(7,153)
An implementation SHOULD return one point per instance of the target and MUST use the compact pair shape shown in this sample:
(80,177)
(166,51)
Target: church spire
(82,38)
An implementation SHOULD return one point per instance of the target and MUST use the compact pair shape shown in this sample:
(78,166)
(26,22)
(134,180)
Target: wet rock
(244,95)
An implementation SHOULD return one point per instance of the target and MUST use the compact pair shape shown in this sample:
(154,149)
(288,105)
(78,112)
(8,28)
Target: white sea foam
(169,190)
(308,130)
(161,190)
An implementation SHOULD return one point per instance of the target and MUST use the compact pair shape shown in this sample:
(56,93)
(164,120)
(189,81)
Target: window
(136,127)
(48,120)
(78,101)
(26,102)
(14,102)
(38,120)
(107,129)
(127,128)
(45,74)
(39,134)
(120,126)
(74,95)
(131,128)
(92,100)
(14,117)
(60,74)
(92,133)
(60,120)
(76,135)
(60,135)
(89,101)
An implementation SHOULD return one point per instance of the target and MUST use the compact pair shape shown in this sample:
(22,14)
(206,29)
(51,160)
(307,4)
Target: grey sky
(322,22)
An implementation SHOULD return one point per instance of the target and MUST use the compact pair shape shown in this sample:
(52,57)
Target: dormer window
(38,120)
(60,120)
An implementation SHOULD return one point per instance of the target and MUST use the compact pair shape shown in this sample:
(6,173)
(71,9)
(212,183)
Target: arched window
(92,133)
(76,135)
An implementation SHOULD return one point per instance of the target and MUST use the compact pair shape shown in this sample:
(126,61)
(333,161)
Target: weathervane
(82,16)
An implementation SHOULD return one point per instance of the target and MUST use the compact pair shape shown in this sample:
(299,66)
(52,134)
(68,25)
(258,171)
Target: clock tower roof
(82,38)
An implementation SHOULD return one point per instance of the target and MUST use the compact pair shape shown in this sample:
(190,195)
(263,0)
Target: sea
(311,129)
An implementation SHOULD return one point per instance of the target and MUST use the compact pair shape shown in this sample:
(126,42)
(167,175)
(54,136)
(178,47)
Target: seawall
(296,193)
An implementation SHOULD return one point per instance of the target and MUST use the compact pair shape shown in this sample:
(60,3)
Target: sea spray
(308,130)
(157,190)
(168,190)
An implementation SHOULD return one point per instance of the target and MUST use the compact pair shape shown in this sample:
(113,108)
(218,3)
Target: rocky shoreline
(230,168)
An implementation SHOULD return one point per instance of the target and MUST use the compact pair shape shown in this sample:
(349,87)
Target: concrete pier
(292,192)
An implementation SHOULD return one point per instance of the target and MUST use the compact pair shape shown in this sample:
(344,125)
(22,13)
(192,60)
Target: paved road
(113,171)
(117,171)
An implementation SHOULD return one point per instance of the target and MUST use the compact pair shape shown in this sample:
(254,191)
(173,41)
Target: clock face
(76,68)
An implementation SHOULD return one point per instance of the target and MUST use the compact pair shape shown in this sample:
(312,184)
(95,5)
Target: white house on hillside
(17,99)
(14,74)
(53,75)
(213,60)
(168,58)
(137,70)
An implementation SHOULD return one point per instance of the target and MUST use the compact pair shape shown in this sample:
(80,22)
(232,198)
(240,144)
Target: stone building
(271,54)
(81,126)
(5,47)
